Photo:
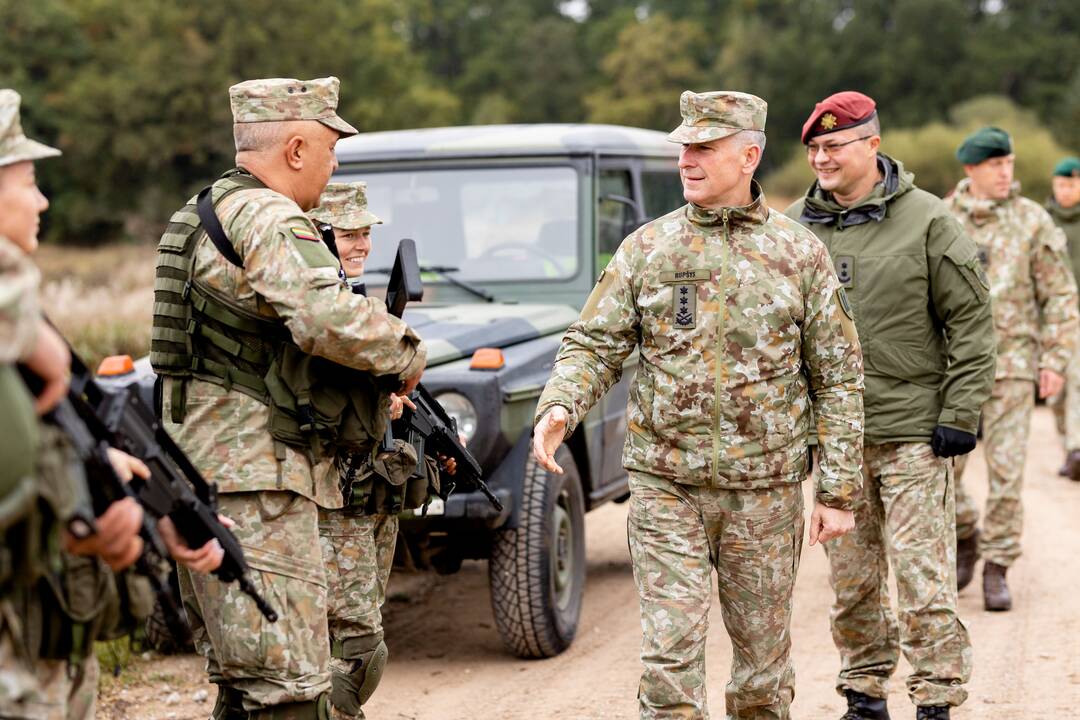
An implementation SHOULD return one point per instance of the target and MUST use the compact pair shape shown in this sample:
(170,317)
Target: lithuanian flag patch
(302,233)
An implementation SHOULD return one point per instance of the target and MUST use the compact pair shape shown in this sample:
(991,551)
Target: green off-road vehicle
(512,225)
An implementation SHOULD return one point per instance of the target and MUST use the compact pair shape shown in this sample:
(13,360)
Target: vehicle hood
(456,331)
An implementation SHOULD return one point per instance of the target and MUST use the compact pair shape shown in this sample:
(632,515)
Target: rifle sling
(210,223)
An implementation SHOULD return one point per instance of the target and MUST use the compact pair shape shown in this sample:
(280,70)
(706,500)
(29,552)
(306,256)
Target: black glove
(949,442)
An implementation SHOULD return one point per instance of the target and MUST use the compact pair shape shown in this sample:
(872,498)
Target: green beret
(1068,167)
(984,144)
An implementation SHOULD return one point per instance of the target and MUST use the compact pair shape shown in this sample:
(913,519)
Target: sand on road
(446,661)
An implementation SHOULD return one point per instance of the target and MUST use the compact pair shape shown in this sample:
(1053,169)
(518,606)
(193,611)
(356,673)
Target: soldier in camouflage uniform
(921,309)
(742,329)
(357,546)
(1064,207)
(34,683)
(1036,320)
(271,279)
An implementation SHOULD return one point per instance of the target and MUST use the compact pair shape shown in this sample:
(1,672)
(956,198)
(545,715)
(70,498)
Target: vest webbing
(315,405)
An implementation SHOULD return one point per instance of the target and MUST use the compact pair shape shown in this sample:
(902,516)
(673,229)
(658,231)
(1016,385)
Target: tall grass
(101,298)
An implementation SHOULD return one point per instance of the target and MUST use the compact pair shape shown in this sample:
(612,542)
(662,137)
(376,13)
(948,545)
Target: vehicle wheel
(537,570)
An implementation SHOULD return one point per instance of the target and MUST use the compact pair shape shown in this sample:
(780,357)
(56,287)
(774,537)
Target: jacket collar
(756,213)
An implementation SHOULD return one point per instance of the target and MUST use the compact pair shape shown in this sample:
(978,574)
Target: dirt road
(447,662)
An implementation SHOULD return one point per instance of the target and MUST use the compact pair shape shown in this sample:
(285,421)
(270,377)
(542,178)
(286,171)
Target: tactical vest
(316,406)
(18,447)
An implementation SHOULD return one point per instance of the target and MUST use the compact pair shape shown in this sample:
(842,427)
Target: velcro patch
(302,233)
(684,306)
(845,270)
(685,276)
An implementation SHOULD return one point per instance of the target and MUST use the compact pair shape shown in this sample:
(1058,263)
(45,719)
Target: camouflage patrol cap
(275,99)
(714,115)
(344,206)
(14,146)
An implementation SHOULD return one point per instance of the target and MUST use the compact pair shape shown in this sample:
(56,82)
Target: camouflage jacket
(287,275)
(19,312)
(1068,219)
(1032,291)
(738,317)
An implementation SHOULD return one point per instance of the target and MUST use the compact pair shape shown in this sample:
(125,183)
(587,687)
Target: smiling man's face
(22,204)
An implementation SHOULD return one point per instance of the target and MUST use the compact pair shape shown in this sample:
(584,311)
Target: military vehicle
(512,225)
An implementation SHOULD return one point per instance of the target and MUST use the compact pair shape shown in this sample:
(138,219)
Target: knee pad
(351,690)
(317,709)
(229,705)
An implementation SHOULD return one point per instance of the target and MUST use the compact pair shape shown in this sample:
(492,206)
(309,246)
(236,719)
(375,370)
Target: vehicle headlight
(462,410)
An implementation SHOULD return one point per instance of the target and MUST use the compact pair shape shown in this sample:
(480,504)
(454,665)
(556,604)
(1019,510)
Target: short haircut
(873,126)
(257,136)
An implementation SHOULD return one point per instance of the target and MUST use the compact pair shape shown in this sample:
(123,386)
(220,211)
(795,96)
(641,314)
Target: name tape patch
(669,277)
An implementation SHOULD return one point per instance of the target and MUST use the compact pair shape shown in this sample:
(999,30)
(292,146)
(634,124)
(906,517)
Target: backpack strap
(210,223)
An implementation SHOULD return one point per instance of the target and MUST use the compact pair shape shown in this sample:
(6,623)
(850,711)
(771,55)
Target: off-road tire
(535,596)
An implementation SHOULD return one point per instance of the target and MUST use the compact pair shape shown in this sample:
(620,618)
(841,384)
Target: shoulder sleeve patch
(847,317)
(301,233)
(310,246)
(603,284)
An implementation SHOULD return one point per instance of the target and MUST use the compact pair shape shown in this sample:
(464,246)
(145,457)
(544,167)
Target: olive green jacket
(921,305)
(1068,219)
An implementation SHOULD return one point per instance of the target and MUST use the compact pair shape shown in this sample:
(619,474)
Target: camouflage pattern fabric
(678,535)
(1006,423)
(359,553)
(50,692)
(345,206)
(294,278)
(270,663)
(19,311)
(14,145)
(279,99)
(20,691)
(1066,406)
(727,308)
(714,115)
(1032,291)
(904,518)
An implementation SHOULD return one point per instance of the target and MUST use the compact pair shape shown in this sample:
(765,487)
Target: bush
(930,151)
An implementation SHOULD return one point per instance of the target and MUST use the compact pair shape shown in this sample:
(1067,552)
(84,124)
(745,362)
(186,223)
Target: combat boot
(995,590)
(864,707)
(967,552)
(932,712)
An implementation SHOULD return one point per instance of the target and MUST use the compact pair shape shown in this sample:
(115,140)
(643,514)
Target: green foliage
(930,151)
(135,92)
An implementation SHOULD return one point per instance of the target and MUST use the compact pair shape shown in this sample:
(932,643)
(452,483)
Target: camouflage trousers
(358,552)
(1066,406)
(1006,418)
(678,535)
(269,663)
(47,691)
(903,519)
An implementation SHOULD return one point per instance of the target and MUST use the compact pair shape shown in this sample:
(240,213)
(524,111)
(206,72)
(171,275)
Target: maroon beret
(839,111)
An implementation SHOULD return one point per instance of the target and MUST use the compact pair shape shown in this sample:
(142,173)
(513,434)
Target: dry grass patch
(101,299)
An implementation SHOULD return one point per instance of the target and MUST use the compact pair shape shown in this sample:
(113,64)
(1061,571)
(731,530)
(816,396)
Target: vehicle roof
(505,141)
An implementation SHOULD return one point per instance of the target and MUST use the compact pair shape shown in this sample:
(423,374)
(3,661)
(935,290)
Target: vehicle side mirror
(637,213)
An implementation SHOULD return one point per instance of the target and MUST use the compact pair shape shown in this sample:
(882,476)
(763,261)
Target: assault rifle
(175,488)
(429,428)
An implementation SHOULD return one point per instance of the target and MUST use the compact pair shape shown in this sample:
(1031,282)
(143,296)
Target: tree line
(135,93)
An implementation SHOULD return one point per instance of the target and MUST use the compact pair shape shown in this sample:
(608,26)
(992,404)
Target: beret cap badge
(828,121)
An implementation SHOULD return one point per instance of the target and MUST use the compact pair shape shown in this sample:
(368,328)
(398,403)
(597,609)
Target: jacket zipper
(718,379)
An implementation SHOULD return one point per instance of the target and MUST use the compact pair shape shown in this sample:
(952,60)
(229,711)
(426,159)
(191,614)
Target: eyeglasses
(831,148)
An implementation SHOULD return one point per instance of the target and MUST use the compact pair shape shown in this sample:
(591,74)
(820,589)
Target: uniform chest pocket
(764,313)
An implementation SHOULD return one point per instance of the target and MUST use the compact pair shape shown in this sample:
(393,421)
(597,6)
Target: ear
(968,169)
(294,152)
(751,159)
(874,143)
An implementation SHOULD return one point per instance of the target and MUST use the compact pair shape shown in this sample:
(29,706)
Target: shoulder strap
(209,220)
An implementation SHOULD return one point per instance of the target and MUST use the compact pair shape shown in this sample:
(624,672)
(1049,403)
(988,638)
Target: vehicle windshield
(497,223)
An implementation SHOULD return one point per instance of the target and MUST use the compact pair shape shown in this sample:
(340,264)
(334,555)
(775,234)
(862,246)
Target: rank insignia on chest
(845,270)
(684,306)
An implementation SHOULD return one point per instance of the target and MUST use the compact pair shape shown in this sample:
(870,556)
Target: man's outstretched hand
(548,436)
